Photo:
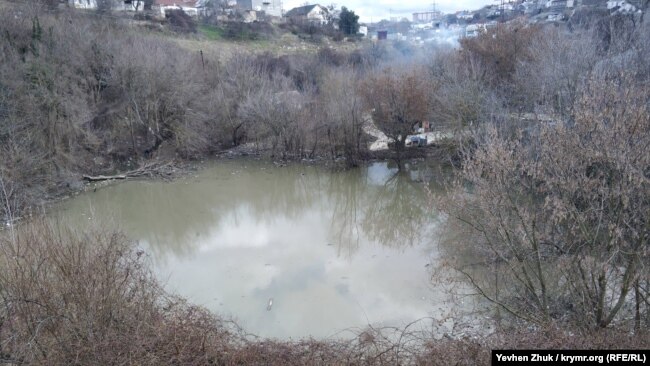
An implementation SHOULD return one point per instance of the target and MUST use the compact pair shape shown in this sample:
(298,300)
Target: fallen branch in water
(98,178)
(161,170)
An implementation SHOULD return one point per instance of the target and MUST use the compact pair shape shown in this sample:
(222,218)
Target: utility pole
(501,9)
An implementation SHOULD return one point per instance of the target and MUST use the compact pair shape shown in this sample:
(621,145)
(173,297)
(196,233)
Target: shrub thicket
(88,297)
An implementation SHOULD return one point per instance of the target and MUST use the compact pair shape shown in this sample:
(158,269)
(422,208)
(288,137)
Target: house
(83,4)
(190,7)
(269,7)
(621,6)
(309,13)
(465,15)
(557,6)
(123,5)
(474,30)
(427,16)
(363,30)
(132,5)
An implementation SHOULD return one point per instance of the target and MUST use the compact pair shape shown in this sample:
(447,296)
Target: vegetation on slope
(552,190)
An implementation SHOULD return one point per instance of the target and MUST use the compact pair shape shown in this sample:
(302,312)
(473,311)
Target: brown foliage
(500,50)
(398,100)
(70,298)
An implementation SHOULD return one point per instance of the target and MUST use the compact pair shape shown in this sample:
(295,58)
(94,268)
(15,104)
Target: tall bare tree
(397,100)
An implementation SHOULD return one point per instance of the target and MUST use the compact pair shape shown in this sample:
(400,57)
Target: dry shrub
(459,95)
(88,298)
(477,351)
(559,212)
(241,31)
(500,50)
(180,21)
(330,56)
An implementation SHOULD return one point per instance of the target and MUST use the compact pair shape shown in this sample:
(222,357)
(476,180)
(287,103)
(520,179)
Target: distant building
(427,16)
(637,3)
(83,4)
(270,7)
(474,30)
(621,6)
(382,35)
(465,15)
(557,6)
(363,30)
(118,5)
(190,7)
(309,13)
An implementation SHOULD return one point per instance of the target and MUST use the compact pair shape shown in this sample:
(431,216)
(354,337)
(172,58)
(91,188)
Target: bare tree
(341,112)
(558,66)
(278,113)
(397,100)
(238,79)
(560,212)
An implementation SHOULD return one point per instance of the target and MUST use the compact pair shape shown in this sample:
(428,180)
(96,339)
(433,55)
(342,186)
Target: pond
(287,251)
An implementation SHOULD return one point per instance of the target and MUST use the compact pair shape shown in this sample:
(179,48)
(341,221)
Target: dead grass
(282,43)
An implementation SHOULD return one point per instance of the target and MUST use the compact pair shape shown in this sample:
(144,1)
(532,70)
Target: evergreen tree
(348,21)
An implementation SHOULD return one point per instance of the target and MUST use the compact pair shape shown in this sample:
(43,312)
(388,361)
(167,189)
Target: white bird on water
(268,307)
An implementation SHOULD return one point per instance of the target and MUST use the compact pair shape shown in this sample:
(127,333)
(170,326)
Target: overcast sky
(376,10)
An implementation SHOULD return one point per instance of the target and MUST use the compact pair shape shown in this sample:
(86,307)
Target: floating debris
(270,305)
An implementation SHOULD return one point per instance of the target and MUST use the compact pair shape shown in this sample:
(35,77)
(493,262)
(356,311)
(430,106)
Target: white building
(311,13)
(119,5)
(83,4)
(270,7)
(190,7)
(363,30)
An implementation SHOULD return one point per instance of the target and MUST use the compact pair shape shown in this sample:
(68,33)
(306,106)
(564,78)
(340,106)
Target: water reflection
(334,249)
(397,215)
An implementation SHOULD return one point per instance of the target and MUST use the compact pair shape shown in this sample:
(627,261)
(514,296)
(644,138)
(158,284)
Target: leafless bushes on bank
(86,94)
(559,212)
(557,120)
(88,297)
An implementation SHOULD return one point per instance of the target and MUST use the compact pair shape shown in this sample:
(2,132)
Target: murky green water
(333,250)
